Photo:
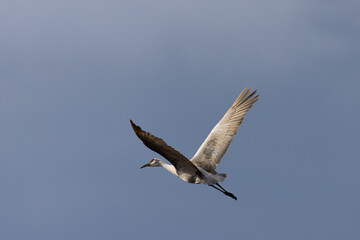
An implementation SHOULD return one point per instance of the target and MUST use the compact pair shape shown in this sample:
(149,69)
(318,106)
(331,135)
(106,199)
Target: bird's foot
(230,195)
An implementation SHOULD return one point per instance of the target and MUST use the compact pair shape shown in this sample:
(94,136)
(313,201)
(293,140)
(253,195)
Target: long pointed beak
(146,165)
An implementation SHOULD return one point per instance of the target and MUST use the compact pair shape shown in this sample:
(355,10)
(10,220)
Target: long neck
(168,167)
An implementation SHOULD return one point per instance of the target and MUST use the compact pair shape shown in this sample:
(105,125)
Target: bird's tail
(220,177)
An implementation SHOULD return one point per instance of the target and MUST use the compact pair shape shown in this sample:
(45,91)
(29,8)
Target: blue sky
(72,74)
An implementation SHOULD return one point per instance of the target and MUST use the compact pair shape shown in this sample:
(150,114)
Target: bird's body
(201,168)
(199,177)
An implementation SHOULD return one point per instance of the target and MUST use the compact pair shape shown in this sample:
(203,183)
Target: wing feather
(180,162)
(215,145)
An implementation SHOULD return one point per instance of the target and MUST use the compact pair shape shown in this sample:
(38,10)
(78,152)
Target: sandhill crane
(201,168)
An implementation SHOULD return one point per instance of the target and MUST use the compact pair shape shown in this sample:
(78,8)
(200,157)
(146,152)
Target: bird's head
(155,162)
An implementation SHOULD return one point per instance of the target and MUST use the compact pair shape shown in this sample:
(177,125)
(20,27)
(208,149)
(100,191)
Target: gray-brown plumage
(201,168)
(215,145)
(179,161)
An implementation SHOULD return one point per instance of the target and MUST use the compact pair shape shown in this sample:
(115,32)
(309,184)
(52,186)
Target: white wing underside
(215,145)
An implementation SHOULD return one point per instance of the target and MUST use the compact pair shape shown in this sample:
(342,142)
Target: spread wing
(180,162)
(215,145)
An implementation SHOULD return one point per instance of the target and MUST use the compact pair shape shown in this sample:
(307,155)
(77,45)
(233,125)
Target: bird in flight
(201,168)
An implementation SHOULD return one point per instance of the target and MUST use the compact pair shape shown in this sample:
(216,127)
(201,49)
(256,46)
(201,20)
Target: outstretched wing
(180,162)
(215,145)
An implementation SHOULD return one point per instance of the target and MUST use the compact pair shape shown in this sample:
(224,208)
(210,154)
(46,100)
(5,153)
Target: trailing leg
(227,193)
(221,189)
